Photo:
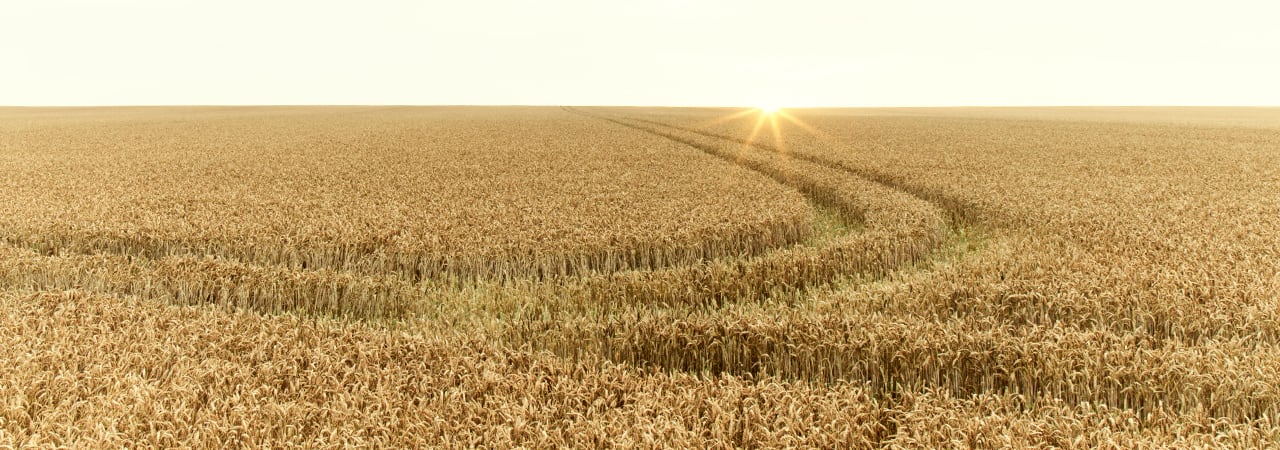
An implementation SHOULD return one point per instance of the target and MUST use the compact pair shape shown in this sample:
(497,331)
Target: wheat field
(542,277)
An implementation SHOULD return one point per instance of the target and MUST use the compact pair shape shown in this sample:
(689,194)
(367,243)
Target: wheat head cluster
(460,277)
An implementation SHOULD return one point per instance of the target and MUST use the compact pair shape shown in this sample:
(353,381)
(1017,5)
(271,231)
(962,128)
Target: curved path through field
(899,227)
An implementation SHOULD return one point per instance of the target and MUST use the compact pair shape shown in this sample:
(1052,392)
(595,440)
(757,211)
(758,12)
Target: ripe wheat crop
(422,194)
(467,277)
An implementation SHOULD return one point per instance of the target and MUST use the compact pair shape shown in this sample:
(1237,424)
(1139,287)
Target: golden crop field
(639,277)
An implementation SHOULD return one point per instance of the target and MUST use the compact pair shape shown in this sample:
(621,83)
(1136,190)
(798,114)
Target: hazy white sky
(664,52)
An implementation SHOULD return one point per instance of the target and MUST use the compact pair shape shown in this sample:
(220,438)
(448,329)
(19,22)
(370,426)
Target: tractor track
(960,211)
(903,227)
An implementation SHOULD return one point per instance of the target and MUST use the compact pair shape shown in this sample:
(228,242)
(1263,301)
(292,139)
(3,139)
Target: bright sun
(769,109)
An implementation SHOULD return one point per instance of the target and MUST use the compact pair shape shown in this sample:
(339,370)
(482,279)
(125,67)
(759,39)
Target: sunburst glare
(768,118)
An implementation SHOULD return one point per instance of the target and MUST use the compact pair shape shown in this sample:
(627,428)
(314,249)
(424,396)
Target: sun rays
(768,117)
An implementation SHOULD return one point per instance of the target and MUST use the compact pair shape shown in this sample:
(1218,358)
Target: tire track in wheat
(959,211)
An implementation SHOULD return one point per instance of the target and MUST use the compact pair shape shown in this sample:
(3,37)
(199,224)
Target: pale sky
(664,52)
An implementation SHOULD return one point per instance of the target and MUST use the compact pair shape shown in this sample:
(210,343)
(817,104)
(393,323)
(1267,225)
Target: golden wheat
(423,195)
(639,277)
